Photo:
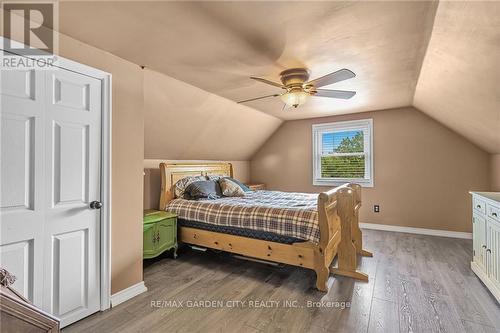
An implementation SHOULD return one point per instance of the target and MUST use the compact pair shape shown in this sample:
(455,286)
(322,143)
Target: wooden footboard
(351,240)
(337,217)
(338,211)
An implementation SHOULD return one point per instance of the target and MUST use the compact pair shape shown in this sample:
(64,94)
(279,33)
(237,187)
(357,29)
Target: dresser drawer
(479,205)
(493,212)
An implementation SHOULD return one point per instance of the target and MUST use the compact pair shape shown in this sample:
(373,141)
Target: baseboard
(420,231)
(126,294)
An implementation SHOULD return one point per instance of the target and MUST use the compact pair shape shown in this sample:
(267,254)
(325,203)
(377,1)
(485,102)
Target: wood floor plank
(413,315)
(463,299)
(180,318)
(442,314)
(486,300)
(384,317)
(386,280)
(471,327)
(430,279)
(417,284)
(358,294)
(274,319)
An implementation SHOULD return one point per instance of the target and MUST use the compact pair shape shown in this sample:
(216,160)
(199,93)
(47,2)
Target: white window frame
(365,125)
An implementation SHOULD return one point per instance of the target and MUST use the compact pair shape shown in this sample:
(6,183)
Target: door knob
(96,205)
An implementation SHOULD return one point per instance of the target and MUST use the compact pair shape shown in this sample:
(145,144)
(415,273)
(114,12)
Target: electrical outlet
(376,208)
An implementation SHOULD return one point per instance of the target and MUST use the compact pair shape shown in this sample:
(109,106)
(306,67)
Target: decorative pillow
(203,189)
(181,184)
(230,188)
(214,178)
(243,186)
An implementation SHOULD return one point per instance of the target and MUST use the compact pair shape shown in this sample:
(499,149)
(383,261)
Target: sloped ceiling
(459,83)
(217,45)
(183,122)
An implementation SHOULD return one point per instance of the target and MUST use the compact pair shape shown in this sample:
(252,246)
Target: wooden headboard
(171,173)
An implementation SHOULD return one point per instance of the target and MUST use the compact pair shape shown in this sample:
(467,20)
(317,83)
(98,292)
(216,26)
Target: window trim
(318,129)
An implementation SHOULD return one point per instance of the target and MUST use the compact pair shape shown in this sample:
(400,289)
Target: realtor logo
(32,24)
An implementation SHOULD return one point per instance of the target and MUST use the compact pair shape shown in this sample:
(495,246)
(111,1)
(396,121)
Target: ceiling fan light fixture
(298,88)
(295,98)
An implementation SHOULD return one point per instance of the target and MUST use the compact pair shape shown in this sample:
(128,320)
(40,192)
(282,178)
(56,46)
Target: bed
(305,230)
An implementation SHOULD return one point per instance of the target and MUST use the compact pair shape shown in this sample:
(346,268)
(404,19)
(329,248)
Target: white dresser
(486,239)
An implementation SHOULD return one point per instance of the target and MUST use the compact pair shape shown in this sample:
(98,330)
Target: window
(342,152)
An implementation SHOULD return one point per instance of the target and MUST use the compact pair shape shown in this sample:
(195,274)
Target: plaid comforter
(283,213)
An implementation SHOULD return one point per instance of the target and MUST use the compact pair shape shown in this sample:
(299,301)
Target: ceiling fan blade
(267,81)
(256,98)
(342,94)
(337,76)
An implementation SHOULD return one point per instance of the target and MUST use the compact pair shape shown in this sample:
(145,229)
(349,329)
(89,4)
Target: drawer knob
(478,206)
(488,251)
(494,214)
(484,246)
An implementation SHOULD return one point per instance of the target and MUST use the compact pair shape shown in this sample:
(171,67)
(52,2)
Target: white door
(22,101)
(72,171)
(50,234)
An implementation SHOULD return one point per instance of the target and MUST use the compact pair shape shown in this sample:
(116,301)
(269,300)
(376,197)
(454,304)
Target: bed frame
(338,221)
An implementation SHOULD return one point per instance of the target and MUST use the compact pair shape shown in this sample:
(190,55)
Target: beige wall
(241,171)
(423,171)
(185,122)
(495,172)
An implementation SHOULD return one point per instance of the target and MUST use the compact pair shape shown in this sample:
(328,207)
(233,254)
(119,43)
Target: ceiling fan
(298,89)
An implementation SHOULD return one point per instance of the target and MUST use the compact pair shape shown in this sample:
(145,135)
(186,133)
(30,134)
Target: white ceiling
(217,45)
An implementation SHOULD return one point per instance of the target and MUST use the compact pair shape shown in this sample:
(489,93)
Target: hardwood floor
(417,284)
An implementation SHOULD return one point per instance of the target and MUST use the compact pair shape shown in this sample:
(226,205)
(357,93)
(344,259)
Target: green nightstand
(159,233)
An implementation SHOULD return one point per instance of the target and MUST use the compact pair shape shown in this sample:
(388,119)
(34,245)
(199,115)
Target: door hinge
(474,253)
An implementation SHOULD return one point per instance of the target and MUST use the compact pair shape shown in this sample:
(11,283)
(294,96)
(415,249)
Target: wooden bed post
(357,237)
(347,254)
(322,259)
